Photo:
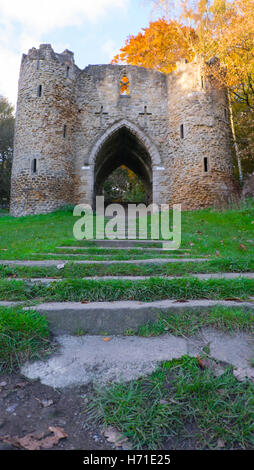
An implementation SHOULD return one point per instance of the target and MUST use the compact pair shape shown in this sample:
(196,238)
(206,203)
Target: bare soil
(25,408)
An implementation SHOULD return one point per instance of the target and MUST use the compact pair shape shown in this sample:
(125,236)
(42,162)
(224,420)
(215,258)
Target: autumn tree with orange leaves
(159,46)
(210,28)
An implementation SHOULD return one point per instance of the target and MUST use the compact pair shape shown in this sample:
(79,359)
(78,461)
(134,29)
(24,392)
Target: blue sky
(93,29)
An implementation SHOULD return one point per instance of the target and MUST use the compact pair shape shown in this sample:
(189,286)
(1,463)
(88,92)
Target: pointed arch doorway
(125,144)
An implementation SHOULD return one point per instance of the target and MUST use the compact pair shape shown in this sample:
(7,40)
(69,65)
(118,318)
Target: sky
(93,29)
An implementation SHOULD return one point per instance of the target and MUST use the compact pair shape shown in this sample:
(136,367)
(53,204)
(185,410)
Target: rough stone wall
(202,110)
(99,86)
(74,98)
(39,133)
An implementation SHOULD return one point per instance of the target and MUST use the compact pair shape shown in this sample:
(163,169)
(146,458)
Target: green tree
(123,185)
(6,148)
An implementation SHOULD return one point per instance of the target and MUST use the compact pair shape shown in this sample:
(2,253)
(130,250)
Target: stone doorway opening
(123,186)
(123,149)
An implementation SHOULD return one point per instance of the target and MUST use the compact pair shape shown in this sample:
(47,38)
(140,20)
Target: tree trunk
(237,152)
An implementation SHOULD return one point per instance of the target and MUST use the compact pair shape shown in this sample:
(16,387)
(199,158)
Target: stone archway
(125,144)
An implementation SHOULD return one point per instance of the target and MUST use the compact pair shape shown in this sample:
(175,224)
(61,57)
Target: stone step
(55,262)
(123,243)
(101,255)
(84,359)
(125,247)
(201,276)
(117,317)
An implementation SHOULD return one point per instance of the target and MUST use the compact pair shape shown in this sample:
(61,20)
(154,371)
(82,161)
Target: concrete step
(106,255)
(55,262)
(85,359)
(117,317)
(124,243)
(202,276)
(125,247)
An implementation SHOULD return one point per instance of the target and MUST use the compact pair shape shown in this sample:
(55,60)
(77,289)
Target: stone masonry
(74,127)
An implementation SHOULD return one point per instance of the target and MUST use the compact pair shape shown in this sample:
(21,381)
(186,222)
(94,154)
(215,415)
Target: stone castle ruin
(75,127)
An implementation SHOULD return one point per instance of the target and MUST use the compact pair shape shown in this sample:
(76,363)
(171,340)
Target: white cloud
(43,16)
(9,74)
(23,22)
(110,48)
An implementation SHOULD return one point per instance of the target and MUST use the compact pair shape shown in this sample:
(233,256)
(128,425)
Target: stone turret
(199,127)
(42,176)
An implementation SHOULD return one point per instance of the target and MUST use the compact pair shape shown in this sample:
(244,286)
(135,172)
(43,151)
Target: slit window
(226,113)
(64,131)
(182,131)
(34,166)
(202,81)
(38,64)
(39,91)
(124,86)
(67,71)
(205,164)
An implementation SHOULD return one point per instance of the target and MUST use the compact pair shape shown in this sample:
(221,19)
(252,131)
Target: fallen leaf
(36,442)
(115,437)
(107,339)
(242,374)
(60,266)
(242,246)
(220,443)
(83,301)
(218,371)
(180,300)
(235,299)
(201,362)
(21,384)
(45,403)
(50,441)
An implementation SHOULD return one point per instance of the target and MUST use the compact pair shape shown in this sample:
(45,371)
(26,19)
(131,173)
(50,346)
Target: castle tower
(201,172)
(42,175)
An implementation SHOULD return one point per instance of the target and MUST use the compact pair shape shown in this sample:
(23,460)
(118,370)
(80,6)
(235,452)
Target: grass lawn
(23,335)
(222,234)
(76,290)
(177,403)
(187,323)
(180,404)
(73,271)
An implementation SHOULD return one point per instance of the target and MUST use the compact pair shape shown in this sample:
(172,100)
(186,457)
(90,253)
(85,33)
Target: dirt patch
(30,407)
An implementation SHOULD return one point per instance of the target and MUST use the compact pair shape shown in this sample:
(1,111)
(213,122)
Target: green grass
(215,232)
(24,335)
(73,271)
(179,401)
(112,290)
(187,323)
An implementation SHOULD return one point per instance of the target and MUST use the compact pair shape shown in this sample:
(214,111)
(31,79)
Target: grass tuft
(177,397)
(76,290)
(24,335)
(187,323)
